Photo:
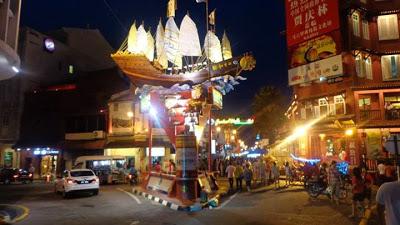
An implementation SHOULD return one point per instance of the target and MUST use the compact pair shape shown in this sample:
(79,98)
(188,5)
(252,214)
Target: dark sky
(251,25)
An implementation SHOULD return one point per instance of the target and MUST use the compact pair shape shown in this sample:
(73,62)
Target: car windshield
(81,173)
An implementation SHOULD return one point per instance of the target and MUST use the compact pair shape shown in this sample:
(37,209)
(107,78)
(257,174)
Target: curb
(161,201)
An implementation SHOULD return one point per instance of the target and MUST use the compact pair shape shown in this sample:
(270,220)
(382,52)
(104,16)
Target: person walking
(334,182)
(239,176)
(263,173)
(388,203)
(275,174)
(368,181)
(288,174)
(230,169)
(358,193)
(248,176)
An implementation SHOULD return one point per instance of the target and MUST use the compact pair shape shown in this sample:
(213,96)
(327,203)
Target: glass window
(364,103)
(365,29)
(388,28)
(390,67)
(363,66)
(340,105)
(82,173)
(323,106)
(356,23)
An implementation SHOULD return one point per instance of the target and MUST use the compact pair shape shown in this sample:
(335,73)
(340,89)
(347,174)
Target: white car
(77,180)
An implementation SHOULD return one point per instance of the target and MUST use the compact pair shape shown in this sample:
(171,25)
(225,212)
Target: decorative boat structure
(174,55)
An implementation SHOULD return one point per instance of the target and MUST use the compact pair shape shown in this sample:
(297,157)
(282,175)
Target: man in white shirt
(388,203)
(381,173)
(230,171)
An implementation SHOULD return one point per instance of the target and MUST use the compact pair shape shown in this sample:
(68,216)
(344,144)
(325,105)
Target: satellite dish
(390,143)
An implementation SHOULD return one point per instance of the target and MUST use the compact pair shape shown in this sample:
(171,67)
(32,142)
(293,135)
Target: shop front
(45,161)
(9,157)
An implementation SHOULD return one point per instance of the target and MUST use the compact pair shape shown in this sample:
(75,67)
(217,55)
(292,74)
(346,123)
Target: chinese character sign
(306,19)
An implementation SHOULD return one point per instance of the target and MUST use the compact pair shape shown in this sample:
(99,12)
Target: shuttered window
(390,67)
(356,23)
(365,29)
(363,66)
(388,28)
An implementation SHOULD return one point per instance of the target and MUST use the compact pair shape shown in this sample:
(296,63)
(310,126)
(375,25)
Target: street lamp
(218,129)
(349,132)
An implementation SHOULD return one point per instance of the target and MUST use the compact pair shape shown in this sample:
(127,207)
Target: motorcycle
(316,187)
(132,179)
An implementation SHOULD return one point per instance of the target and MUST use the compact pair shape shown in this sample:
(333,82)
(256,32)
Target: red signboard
(306,19)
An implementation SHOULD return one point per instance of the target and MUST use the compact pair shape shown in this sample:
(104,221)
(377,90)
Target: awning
(87,144)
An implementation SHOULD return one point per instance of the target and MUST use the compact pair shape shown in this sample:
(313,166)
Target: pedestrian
(263,173)
(248,176)
(388,202)
(368,181)
(334,182)
(256,170)
(238,176)
(381,173)
(221,168)
(275,174)
(32,170)
(230,169)
(171,167)
(288,174)
(358,193)
(268,172)
(157,167)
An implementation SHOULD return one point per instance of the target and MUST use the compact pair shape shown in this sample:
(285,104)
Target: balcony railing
(393,114)
(366,115)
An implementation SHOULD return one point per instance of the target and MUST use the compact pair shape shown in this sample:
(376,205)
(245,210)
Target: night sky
(251,25)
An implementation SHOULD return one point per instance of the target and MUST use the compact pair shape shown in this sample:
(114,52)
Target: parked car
(77,180)
(9,175)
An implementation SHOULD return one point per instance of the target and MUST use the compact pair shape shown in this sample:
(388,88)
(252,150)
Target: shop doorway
(48,165)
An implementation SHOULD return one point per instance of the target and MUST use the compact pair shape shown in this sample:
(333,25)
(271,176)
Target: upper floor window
(363,66)
(388,28)
(365,29)
(355,18)
(340,105)
(390,67)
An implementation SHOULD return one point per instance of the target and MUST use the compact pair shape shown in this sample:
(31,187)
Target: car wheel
(96,192)
(7,181)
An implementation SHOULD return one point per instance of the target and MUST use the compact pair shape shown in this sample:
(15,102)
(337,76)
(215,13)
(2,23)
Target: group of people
(253,172)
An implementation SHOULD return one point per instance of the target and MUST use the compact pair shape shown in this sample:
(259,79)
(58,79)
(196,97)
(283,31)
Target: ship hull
(141,71)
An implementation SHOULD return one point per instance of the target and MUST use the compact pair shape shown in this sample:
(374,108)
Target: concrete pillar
(186,168)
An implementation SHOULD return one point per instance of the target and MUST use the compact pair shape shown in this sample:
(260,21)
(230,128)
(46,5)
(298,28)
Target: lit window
(363,66)
(365,29)
(356,23)
(390,67)
(388,27)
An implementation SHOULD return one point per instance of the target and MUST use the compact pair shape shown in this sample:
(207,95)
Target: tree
(269,106)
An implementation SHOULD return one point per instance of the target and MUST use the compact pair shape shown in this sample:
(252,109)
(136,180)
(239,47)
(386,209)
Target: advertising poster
(319,48)
(306,19)
(326,68)
(120,120)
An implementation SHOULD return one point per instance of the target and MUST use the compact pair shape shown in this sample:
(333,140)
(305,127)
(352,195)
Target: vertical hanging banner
(306,19)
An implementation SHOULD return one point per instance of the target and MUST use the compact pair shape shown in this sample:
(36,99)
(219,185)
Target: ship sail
(226,47)
(171,40)
(161,55)
(189,43)
(132,40)
(150,47)
(141,40)
(212,47)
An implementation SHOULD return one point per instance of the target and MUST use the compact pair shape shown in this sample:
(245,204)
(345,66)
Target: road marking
(135,222)
(130,195)
(25,213)
(227,201)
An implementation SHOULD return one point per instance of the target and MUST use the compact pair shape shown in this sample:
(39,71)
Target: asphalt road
(114,207)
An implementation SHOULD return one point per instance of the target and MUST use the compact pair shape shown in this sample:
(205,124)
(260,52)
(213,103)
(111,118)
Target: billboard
(306,19)
(325,68)
(319,48)
(121,120)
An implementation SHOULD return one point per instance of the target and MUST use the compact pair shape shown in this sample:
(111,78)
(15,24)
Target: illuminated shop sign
(236,121)
(46,152)
(156,151)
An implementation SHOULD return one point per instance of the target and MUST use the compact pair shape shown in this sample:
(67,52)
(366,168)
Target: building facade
(343,59)
(9,67)
(58,57)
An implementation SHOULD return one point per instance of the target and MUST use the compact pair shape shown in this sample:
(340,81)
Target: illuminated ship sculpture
(174,56)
